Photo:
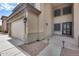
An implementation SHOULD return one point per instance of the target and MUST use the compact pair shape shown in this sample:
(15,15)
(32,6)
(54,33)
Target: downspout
(24,31)
(38,28)
(73,20)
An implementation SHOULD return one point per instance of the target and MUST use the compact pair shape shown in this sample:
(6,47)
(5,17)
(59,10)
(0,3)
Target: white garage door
(17,29)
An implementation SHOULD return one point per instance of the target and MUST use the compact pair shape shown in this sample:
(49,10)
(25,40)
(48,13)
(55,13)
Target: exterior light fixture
(25,20)
(46,24)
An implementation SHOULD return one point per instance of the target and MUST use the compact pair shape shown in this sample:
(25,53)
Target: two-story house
(36,21)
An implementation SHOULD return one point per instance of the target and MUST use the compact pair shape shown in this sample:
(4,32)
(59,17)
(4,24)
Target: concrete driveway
(8,49)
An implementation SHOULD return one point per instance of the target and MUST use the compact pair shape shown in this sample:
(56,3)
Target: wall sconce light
(46,24)
(25,20)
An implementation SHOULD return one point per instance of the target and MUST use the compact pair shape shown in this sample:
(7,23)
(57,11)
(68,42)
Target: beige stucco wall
(76,20)
(32,26)
(9,29)
(32,23)
(41,22)
(37,28)
(37,24)
(45,17)
(48,19)
(4,25)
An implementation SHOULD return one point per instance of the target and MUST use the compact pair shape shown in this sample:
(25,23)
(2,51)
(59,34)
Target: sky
(6,9)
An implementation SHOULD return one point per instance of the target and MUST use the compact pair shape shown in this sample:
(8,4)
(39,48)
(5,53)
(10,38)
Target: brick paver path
(70,42)
(69,52)
(71,45)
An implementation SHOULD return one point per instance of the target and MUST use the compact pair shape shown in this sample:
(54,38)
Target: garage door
(17,29)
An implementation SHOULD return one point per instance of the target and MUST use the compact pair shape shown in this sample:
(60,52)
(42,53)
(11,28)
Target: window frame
(57,27)
(67,10)
(57,12)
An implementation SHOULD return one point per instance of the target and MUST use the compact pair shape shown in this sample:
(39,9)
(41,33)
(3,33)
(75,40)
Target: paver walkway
(51,50)
(70,42)
(69,52)
(71,45)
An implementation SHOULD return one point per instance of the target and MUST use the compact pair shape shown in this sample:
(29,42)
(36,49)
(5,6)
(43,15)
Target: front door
(67,28)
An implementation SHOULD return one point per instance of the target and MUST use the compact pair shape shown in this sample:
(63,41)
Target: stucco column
(76,19)
(9,29)
(26,25)
(48,20)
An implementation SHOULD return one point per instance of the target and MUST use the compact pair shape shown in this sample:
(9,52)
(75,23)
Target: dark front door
(67,28)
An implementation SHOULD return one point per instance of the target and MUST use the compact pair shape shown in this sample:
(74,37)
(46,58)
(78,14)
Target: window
(56,27)
(57,12)
(67,10)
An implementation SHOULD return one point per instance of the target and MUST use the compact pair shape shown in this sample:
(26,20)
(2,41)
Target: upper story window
(57,12)
(67,10)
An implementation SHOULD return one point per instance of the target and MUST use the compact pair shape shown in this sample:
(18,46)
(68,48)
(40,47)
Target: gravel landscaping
(34,48)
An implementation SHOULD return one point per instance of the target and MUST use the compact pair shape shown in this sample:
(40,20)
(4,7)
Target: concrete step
(51,50)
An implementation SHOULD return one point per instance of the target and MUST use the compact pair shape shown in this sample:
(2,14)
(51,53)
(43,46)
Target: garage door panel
(18,29)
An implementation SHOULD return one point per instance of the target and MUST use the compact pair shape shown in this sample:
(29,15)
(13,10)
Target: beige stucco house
(36,21)
(4,24)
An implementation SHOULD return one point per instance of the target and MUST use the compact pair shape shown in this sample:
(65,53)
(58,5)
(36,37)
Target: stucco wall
(45,18)
(32,26)
(41,22)
(37,24)
(48,19)
(32,23)
(4,25)
(76,20)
